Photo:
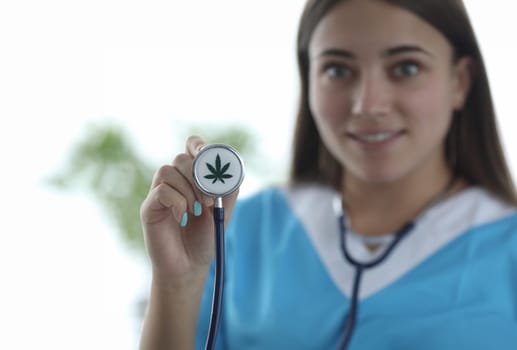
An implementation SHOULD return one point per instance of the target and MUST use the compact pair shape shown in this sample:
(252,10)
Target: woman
(397,164)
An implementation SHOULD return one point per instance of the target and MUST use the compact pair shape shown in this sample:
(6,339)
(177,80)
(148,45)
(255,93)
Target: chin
(377,176)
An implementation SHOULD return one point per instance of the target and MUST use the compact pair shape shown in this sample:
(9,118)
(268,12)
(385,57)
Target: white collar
(440,224)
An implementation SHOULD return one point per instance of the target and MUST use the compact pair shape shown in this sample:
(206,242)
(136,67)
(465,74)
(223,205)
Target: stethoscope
(218,170)
(350,319)
(359,266)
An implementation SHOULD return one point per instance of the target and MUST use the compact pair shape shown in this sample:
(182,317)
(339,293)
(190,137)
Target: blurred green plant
(106,164)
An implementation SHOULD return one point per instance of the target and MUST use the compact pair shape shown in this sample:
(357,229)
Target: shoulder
(474,218)
(296,200)
(256,207)
(284,211)
(471,209)
(494,223)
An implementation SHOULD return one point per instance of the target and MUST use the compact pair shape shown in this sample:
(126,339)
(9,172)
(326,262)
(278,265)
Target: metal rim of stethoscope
(196,175)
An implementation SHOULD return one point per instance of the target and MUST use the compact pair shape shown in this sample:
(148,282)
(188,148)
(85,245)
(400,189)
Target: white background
(67,281)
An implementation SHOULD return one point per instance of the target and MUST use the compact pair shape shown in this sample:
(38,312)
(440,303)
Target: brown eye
(406,69)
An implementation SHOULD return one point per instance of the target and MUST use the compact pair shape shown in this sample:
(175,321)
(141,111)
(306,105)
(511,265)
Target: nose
(372,97)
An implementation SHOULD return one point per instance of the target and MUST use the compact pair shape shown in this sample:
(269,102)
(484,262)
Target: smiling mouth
(375,137)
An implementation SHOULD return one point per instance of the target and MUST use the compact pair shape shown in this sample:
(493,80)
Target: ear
(463,69)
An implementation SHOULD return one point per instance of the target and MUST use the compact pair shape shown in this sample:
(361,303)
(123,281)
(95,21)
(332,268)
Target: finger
(161,201)
(184,164)
(172,176)
(193,145)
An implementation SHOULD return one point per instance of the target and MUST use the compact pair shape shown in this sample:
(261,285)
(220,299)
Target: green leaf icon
(217,173)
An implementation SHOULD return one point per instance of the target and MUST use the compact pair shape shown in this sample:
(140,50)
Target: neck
(376,209)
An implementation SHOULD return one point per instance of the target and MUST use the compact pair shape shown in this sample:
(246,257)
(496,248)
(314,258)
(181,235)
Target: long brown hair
(472,147)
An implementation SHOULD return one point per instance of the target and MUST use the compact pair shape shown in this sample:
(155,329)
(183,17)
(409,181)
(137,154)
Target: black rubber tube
(217,298)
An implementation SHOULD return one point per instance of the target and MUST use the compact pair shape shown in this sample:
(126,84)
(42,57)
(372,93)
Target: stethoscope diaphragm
(218,170)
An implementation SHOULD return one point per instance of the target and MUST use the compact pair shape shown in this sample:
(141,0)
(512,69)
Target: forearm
(172,316)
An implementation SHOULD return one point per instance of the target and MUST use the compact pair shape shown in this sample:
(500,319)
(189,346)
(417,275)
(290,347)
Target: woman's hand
(177,220)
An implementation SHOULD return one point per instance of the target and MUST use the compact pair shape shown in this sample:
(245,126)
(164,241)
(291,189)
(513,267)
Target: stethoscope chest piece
(218,170)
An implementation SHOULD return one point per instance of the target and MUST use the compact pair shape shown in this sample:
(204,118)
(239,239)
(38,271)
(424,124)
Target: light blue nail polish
(198,209)
(184,220)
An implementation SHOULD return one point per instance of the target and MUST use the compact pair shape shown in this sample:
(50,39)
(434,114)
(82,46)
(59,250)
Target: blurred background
(95,95)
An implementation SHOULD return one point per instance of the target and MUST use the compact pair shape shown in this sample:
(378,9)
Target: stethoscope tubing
(352,313)
(350,319)
(217,297)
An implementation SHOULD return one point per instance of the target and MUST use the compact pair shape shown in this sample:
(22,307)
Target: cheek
(429,107)
(328,107)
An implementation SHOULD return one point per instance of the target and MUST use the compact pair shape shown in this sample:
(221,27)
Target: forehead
(373,25)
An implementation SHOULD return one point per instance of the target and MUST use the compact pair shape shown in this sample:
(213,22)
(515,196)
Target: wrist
(188,282)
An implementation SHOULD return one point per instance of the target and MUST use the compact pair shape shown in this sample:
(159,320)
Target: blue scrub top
(450,284)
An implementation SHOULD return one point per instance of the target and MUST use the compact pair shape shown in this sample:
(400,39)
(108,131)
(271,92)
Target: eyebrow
(406,48)
(392,51)
(336,52)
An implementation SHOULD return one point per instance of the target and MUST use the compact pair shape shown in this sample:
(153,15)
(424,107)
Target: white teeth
(382,136)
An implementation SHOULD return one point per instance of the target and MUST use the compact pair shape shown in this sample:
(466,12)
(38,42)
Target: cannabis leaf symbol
(218,173)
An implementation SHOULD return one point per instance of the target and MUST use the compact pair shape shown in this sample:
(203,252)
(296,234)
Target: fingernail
(198,209)
(184,220)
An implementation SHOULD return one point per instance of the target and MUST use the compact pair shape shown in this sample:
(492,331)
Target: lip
(375,140)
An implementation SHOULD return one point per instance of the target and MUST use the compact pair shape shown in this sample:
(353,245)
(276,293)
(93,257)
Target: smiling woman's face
(383,86)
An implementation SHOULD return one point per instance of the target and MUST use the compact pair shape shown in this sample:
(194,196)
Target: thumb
(193,145)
